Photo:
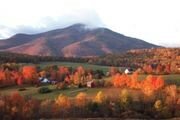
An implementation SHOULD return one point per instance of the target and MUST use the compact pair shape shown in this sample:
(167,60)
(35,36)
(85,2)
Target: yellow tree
(147,88)
(63,101)
(76,78)
(79,76)
(81,73)
(124,97)
(81,99)
(172,94)
(80,70)
(158,105)
(100,97)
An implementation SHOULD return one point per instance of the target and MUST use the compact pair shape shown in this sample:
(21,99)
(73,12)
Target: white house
(90,84)
(44,80)
(128,71)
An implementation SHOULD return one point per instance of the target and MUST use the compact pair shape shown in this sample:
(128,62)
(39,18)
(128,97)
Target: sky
(155,21)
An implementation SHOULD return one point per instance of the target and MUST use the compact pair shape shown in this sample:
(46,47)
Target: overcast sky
(155,21)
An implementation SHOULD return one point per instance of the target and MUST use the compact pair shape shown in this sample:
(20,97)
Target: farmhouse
(44,80)
(90,84)
(128,71)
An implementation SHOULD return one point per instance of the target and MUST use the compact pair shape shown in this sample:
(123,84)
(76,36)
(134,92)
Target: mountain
(74,41)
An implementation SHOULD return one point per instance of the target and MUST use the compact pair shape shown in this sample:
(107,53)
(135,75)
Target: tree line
(6,57)
(162,104)
(16,74)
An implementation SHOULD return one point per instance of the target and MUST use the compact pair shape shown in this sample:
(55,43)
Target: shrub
(80,85)
(44,90)
(22,89)
(158,105)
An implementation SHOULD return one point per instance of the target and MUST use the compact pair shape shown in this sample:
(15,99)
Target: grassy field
(75,65)
(33,92)
(71,92)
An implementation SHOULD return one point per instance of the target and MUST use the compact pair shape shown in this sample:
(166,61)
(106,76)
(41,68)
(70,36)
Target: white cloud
(155,21)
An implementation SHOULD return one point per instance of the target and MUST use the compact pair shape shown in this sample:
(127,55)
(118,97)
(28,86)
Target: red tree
(30,74)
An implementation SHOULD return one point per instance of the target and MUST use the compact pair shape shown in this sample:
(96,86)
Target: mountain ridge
(77,40)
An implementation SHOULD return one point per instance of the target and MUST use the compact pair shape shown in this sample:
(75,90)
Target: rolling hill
(73,41)
(139,57)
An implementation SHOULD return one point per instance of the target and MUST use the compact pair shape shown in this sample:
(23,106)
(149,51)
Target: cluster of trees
(121,60)
(160,60)
(157,69)
(23,58)
(67,75)
(14,74)
(164,103)
(148,86)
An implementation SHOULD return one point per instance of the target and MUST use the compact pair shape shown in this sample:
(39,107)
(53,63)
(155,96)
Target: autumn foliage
(100,97)
(8,78)
(148,86)
(63,101)
(159,68)
(122,105)
(81,99)
(81,76)
(164,103)
(30,74)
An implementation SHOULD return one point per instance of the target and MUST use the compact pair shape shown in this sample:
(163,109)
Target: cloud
(156,21)
(88,17)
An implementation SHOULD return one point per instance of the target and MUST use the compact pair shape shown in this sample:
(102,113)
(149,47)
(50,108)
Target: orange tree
(30,74)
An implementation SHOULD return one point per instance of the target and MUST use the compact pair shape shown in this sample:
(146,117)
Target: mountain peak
(77,26)
(82,26)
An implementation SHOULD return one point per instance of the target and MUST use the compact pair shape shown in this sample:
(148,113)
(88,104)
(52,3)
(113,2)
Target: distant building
(128,71)
(44,80)
(90,84)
